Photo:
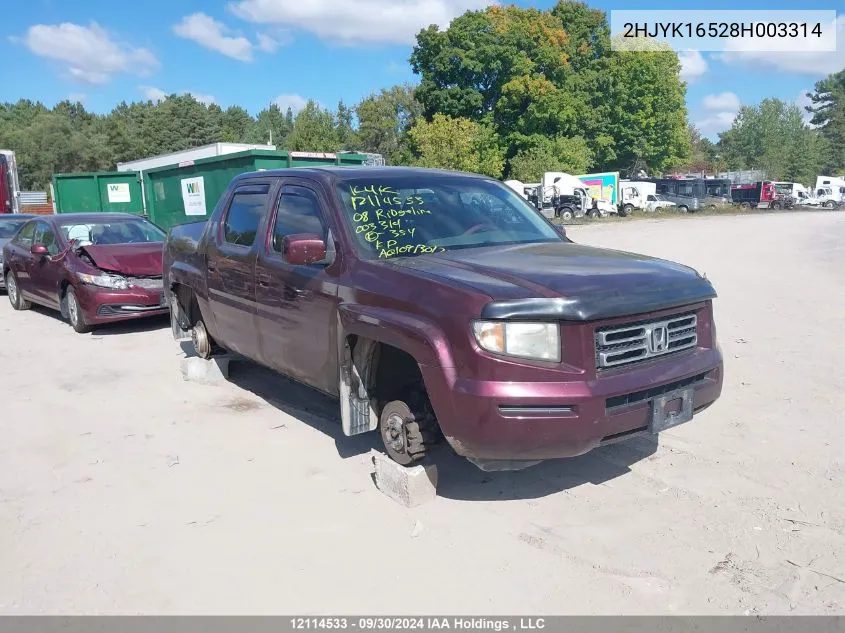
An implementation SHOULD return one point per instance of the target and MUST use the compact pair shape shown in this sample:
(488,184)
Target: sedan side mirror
(39,249)
(562,230)
(304,248)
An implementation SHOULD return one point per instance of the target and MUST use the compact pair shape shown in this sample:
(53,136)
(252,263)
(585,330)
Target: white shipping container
(175,158)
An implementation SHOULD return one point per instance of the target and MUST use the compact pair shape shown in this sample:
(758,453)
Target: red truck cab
(439,305)
(8,183)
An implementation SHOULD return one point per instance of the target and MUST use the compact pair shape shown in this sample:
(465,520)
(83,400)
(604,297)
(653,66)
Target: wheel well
(187,302)
(397,376)
(62,292)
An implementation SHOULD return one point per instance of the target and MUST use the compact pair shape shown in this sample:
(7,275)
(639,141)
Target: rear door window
(245,214)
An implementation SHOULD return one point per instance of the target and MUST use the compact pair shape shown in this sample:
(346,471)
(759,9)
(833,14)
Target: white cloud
(151,93)
(722,101)
(715,122)
(204,99)
(88,53)
(267,44)
(693,65)
(720,110)
(214,35)
(357,21)
(294,102)
(816,63)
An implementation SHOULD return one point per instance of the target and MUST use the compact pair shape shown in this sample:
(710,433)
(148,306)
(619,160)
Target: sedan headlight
(538,341)
(105,281)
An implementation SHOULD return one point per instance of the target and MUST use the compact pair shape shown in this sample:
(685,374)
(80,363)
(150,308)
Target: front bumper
(519,421)
(103,305)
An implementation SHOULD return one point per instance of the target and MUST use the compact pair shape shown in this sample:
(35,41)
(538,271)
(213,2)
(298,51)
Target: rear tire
(14,292)
(683,208)
(401,434)
(74,312)
(828,205)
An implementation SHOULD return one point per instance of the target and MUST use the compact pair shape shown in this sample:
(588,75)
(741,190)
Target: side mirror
(39,249)
(304,249)
(562,230)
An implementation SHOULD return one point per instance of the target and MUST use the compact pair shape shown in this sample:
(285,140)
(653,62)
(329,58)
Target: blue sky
(254,52)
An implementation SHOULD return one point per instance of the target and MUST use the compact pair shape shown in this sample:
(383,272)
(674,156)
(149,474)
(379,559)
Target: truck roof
(338,173)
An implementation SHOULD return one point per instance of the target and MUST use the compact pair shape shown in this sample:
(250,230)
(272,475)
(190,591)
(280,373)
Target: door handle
(264,280)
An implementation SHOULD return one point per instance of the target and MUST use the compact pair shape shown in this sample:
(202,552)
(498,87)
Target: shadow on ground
(461,480)
(147,324)
(304,403)
(458,478)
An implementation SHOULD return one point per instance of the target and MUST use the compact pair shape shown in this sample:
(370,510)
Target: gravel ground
(125,490)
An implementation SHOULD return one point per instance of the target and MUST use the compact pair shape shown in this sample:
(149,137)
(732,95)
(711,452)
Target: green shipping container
(114,191)
(189,192)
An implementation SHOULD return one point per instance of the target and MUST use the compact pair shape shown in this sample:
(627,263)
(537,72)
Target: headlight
(538,341)
(105,281)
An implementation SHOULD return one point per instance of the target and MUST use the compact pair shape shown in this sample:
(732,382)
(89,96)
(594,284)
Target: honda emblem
(658,339)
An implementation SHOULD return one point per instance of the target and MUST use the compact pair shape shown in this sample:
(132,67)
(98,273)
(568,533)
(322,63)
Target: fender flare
(418,337)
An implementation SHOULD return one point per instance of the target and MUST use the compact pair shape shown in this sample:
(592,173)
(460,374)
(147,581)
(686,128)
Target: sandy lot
(125,490)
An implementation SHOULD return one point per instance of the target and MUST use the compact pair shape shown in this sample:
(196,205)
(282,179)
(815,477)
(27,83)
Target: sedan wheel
(74,313)
(14,292)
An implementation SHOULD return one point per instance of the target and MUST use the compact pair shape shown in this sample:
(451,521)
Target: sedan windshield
(112,232)
(8,227)
(425,214)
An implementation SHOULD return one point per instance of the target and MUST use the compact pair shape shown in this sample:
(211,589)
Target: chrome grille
(635,342)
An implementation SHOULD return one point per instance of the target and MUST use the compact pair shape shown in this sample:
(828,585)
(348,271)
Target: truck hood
(565,281)
(135,260)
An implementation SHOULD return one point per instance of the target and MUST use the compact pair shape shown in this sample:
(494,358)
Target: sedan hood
(565,280)
(134,260)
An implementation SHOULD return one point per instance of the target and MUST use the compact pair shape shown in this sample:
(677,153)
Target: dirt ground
(125,490)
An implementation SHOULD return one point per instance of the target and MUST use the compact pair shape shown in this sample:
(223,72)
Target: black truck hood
(565,281)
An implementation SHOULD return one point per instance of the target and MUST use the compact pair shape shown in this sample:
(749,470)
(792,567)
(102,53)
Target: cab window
(244,215)
(298,213)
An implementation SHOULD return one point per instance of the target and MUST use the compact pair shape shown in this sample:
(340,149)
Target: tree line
(774,137)
(506,91)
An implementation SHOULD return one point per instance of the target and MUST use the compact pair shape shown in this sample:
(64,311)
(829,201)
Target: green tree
(570,155)
(772,136)
(384,120)
(552,73)
(457,143)
(828,108)
(347,137)
(271,124)
(313,130)
(237,125)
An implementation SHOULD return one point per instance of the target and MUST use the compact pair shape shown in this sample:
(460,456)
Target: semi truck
(563,196)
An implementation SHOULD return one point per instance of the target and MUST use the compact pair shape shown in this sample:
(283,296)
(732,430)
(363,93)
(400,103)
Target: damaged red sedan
(95,268)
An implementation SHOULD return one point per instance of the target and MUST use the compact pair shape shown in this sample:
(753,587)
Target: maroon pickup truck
(441,305)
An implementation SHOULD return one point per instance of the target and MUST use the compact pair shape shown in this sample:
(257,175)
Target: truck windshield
(112,232)
(425,214)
